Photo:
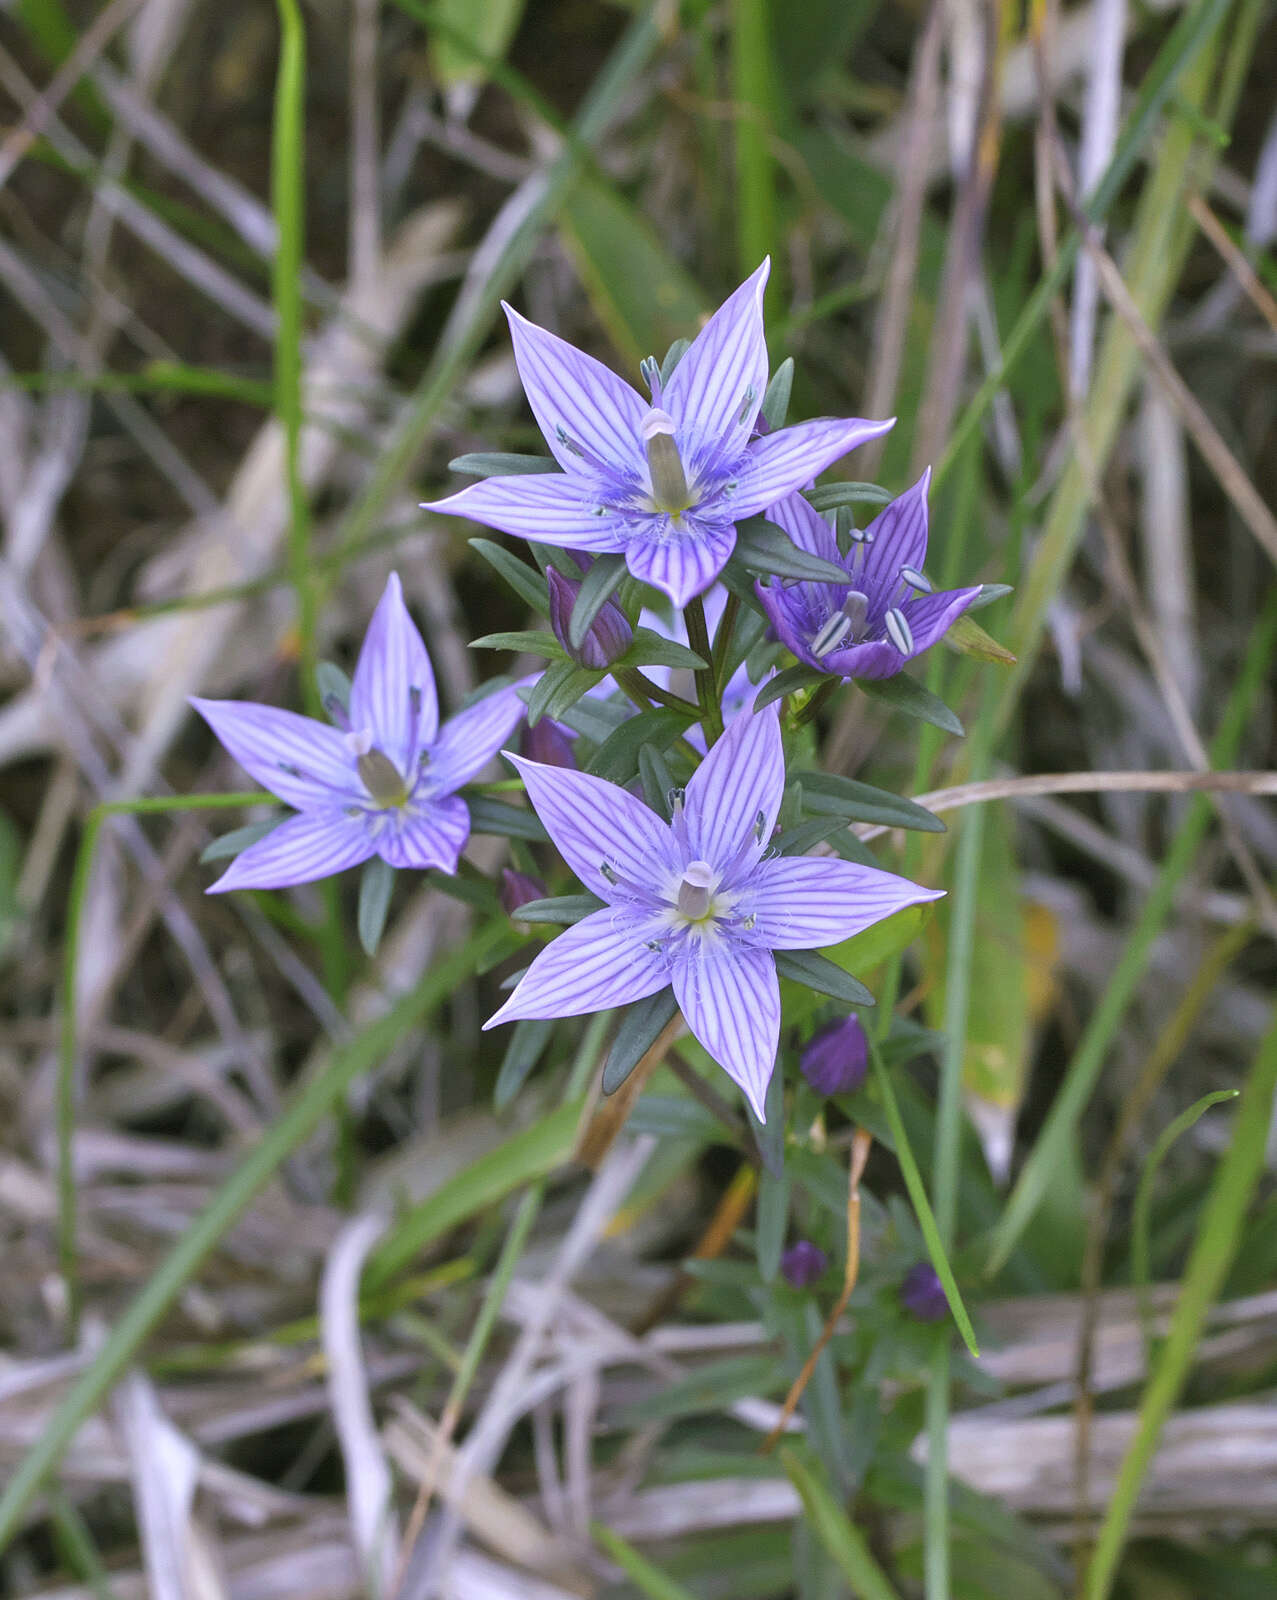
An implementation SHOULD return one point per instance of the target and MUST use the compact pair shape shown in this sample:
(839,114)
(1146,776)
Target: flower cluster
(663,481)
(688,892)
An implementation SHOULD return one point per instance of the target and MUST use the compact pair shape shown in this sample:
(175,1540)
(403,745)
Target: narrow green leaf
(830,496)
(488,815)
(769,1135)
(528,1040)
(835,1530)
(918,1195)
(650,650)
(530,586)
(617,758)
(711,1388)
(906,694)
(646,1578)
(596,590)
(547,686)
(797,841)
(502,464)
(376,885)
(333,685)
(656,779)
(790,681)
(230,844)
(831,794)
(765,548)
(563,909)
(773,1218)
(827,977)
(968,638)
(640,1027)
(673,356)
(775,407)
(532,641)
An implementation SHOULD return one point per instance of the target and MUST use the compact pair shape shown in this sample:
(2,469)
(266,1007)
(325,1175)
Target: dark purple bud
(549,743)
(517,888)
(922,1294)
(836,1057)
(610,635)
(802,1264)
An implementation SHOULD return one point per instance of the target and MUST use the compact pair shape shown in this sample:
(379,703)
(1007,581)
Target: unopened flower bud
(802,1264)
(922,1294)
(548,743)
(610,635)
(836,1057)
(517,889)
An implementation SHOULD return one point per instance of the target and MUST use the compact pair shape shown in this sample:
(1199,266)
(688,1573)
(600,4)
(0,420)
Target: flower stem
(711,714)
(642,690)
(723,643)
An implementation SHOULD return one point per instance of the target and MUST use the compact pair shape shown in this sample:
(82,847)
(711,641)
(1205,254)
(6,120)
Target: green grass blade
(302,1116)
(1088,1059)
(1218,1235)
(646,1578)
(836,1531)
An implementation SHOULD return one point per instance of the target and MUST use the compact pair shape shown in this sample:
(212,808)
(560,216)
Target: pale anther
(831,635)
(898,631)
(694,893)
(608,871)
(917,580)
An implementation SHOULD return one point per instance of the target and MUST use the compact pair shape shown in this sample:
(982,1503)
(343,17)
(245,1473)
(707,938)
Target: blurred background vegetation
(251,261)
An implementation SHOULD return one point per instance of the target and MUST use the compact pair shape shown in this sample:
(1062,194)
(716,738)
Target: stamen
(856,610)
(336,712)
(650,368)
(748,922)
(653,944)
(609,872)
(694,893)
(414,702)
(664,464)
(917,580)
(760,826)
(860,536)
(831,635)
(561,434)
(382,778)
(898,631)
(745,404)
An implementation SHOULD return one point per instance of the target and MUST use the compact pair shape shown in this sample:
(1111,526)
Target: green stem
(723,643)
(711,713)
(642,690)
(295,1125)
(288,169)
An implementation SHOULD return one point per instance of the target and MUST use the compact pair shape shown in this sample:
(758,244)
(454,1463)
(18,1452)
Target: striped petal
(739,781)
(594,823)
(805,902)
(551,508)
(716,389)
(599,962)
(806,527)
(897,537)
(468,741)
(306,763)
(682,565)
(313,845)
(931,616)
(785,461)
(578,401)
(730,999)
(392,694)
(426,834)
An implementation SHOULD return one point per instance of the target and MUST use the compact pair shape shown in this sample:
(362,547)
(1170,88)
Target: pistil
(382,778)
(695,891)
(664,464)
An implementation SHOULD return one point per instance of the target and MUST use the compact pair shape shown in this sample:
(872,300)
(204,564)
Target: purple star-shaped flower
(886,614)
(382,784)
(664,482)
(698,903)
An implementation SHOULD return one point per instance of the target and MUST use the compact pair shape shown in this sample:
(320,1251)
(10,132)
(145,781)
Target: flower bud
(836,1057)
(802,1264)
(517,889)
(548,743)
(610,635)
(922,1294)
